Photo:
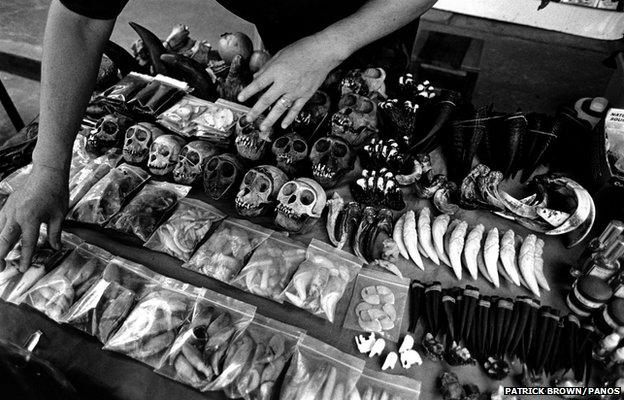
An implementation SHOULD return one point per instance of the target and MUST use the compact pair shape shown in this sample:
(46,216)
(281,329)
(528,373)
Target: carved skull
(139,138)
(259,189)
(251,143)
(108,133)
(164,153)
(300,204)
(313,112)
(192,161)
(356,119)
(331,158)
(290,151)
(221,175)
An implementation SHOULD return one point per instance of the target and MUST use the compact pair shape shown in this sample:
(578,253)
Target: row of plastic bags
(192,335)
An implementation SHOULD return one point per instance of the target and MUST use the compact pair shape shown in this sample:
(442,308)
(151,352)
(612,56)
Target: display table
(99,371)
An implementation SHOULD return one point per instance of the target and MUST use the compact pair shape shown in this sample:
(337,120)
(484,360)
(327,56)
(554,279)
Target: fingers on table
(279,108)
(264,102)
(30,234)
(8,237)
(55,226)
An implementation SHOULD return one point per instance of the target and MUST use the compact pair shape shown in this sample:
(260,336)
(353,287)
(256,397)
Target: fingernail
(263,128)
(240,98)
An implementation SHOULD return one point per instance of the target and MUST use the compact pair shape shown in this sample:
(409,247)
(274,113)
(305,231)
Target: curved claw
(441,199)
(580,215)
(336,206)
(579,234)
(516,206)
(406,180)
(154,47)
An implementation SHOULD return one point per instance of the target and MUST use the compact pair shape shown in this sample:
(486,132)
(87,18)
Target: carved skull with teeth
(259,189)
(331,158)
(192,161)
(364,82)
(221,175)
(290,151)
(300,204)
(138,140)
(313,112)
(356,119)
(108,133)
(164,153)
(250,142)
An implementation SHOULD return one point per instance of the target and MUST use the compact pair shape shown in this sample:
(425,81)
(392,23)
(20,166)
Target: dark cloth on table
(282,22)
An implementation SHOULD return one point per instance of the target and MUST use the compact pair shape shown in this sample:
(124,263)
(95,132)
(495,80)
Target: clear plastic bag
(321,280)
(142,215)
(199,354)
(378,304)
(14,282)
(106,197)
(107,303)
(16,179)
(180,235)
(178,118)
(378,385)
(55,293)
(274,343)
(227,250)
(88,176)
(271,266)
(321,372)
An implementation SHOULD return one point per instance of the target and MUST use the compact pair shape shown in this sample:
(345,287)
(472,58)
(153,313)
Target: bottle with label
(606,264)
(597,245)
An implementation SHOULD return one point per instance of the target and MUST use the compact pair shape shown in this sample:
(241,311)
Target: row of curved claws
(379,188)
(480,189)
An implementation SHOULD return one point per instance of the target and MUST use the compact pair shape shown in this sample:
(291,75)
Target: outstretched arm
(72,49)
(292,76)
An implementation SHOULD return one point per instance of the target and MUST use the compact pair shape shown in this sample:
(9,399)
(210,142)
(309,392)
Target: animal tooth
(424,235)
(472,248)
(456,245)
(508,256)
(410,238)
(438,228)
(527,263)
(397,235)
(490,255)
(539,265)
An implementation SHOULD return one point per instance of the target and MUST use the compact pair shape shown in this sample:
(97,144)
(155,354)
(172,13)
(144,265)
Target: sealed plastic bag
(378,385)
(199,354)
(106,197)
(141,216)
(55,293)
(152,325)
(180,235)
(91,174)
(378,303)
(321,280)
(273,344)
(224,254)
(178,118)
(271,266)
(14,282)
(16,179)
(107,303)
(320,372)
(124,90)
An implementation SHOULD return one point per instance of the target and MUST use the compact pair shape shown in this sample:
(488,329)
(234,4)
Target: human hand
(43,199)
(290,78)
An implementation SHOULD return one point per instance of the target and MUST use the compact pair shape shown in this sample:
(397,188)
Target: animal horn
(154,47)
(191,72)
(121,58)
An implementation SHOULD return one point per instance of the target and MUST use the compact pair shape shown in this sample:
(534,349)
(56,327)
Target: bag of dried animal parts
(321,280)
(106,197)
(319,371)
(273,343)
(89,175)
(56,292)
(378,385)
(180,235)
(152,325)
(378,303)
(191,116)
(15,280)
(227,250)
(271,266)
(142,215)
(201,354)
(102,309)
